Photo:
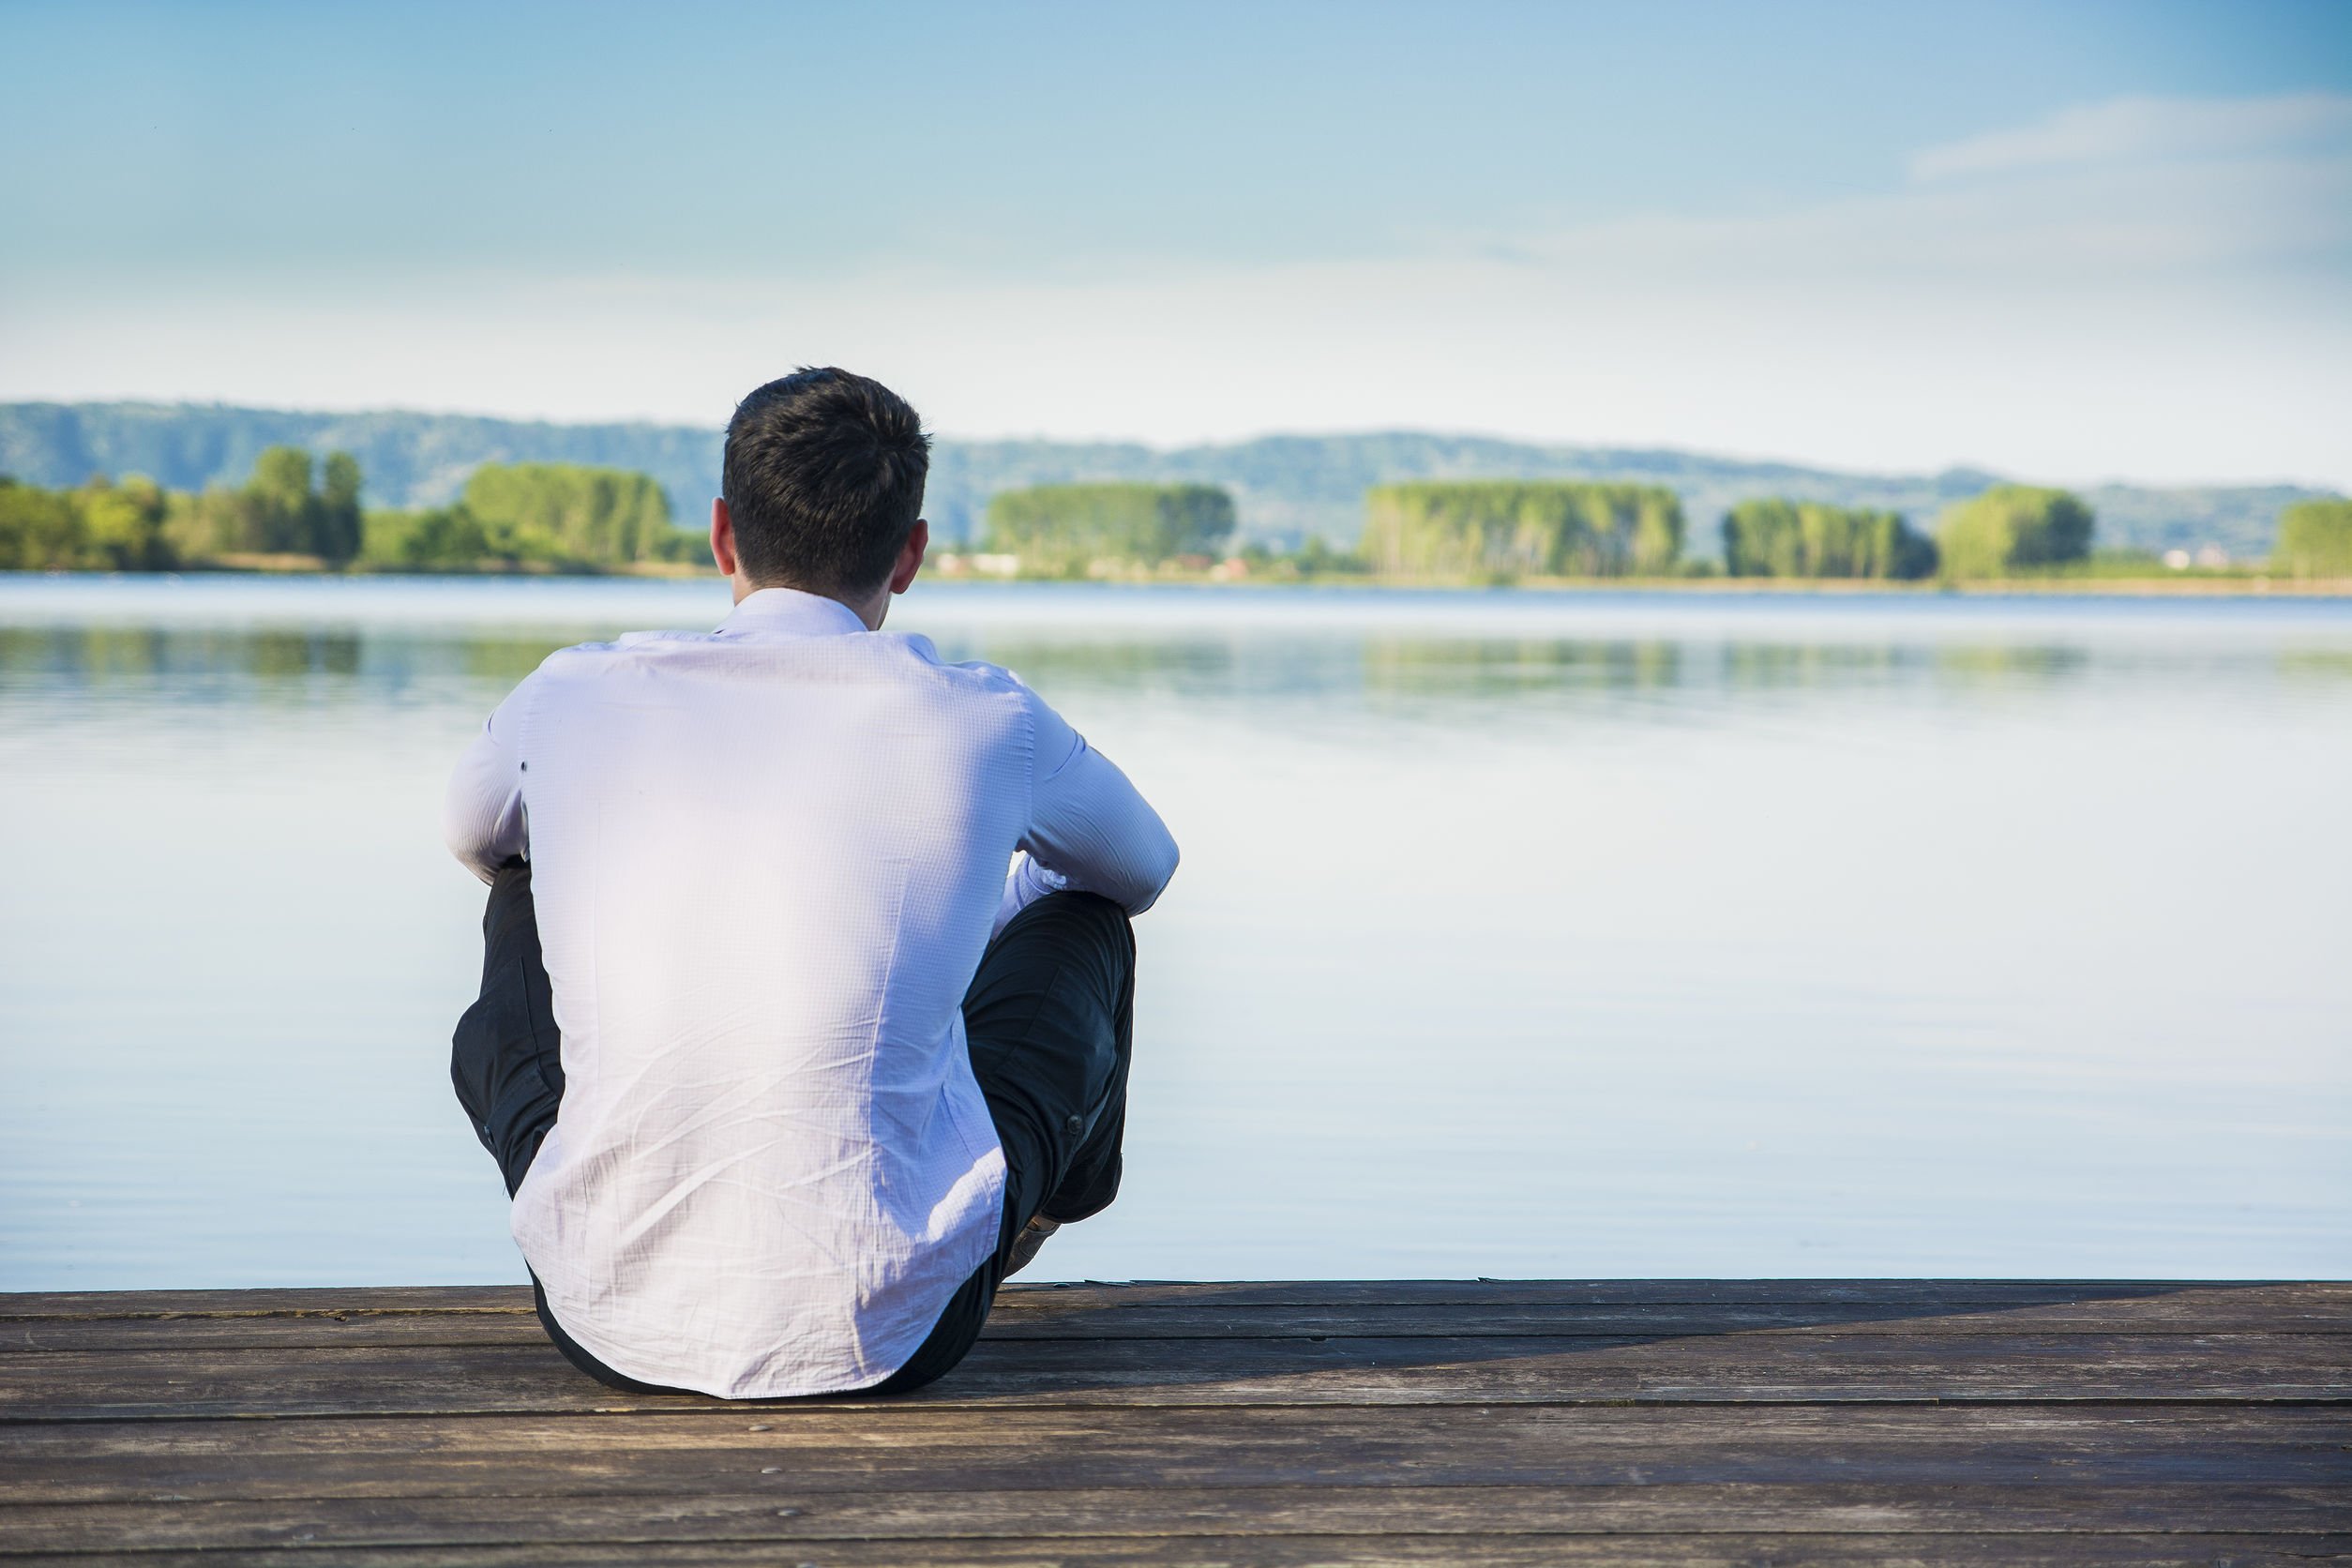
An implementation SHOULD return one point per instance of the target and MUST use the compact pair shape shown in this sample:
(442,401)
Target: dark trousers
(1048,1018)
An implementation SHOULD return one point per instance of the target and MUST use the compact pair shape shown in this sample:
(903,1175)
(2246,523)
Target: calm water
(1518,934)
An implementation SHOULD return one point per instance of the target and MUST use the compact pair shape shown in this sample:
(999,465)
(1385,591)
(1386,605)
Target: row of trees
(2007,530)
(2012,529)
(1811,539)
(2315,539)
(1067,530)
(553,516)
(1568,529)
(1500,529)
(550,515)
(103,526)
(566,517)
(1537,528)
(134,525)
(292,506)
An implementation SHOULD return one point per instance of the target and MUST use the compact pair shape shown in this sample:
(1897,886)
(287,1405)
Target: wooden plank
(2264,1309)
(2272,1312)
(181,1303)
(1620,1550)
(1738,1368)
(1939,1293)
(1936,1293)
(310,1332)
(835,1447)
(788,1514)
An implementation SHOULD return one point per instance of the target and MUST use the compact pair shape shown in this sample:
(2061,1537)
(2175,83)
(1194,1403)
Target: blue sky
(2070,240)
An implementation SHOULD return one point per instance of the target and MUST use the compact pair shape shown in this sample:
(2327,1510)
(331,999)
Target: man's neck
(872,609)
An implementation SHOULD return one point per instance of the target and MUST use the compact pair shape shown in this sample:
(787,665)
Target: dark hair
(823,476)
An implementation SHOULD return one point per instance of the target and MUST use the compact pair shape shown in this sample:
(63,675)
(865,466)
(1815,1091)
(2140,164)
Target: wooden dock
(1576,1421)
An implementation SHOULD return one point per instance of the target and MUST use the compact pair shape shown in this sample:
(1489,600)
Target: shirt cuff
(1028,883)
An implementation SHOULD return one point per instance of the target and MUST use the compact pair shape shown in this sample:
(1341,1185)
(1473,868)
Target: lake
(1518,933)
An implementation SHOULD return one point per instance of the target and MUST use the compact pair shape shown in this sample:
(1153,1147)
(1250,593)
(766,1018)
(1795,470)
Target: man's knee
(1069,957)
(1084,921)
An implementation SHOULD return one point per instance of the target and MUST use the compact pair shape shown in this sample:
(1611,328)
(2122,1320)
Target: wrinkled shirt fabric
(766,860)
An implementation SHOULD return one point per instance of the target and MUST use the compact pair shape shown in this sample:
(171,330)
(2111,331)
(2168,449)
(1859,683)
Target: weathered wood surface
(1482,1421)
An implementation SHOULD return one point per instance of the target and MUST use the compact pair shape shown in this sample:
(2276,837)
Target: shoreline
(2184,586)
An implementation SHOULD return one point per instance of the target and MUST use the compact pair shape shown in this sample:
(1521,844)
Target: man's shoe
(1025,1245)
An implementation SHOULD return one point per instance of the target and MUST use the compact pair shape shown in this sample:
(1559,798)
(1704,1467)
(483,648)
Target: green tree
(40,530)
(438,538)
(281,511)
(1809,538)
(2314,539)
(283,476)
(1064,529)
(2012,527)
(103,526)
(1508,528)
(278,511)
(203,525)
(122,524)
(337,522)
(567,515)
(1316,558)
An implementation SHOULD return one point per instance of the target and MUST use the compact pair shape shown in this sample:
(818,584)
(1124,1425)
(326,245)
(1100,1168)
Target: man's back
(765,862)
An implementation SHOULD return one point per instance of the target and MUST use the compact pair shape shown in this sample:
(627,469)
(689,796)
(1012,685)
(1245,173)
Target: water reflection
(1381,665)
(1518,934)
(1464,669)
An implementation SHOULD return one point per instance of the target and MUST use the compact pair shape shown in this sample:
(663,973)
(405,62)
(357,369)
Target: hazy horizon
(1760,459)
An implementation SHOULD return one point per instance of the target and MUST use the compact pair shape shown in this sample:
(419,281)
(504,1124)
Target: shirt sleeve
(1090,829)
(482,818)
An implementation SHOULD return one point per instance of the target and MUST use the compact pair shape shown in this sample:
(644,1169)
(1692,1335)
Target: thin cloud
(2140,129)
(2222,196)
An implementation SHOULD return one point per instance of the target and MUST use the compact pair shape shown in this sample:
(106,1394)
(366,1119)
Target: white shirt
(765,862)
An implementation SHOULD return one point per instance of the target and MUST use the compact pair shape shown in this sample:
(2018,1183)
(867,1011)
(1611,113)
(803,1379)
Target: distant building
(976,563)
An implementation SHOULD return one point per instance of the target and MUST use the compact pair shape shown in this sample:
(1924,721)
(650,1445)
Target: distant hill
(1286,486)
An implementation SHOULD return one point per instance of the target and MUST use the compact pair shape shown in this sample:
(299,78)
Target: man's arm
(1090,829)
(482,817)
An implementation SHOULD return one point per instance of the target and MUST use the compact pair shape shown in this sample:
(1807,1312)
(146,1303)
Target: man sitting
(784,1073)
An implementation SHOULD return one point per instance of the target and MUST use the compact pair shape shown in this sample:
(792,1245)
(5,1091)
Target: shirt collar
(792,612)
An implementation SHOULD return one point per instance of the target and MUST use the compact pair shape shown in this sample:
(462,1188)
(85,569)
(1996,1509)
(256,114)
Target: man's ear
(723,537)
(909,557)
